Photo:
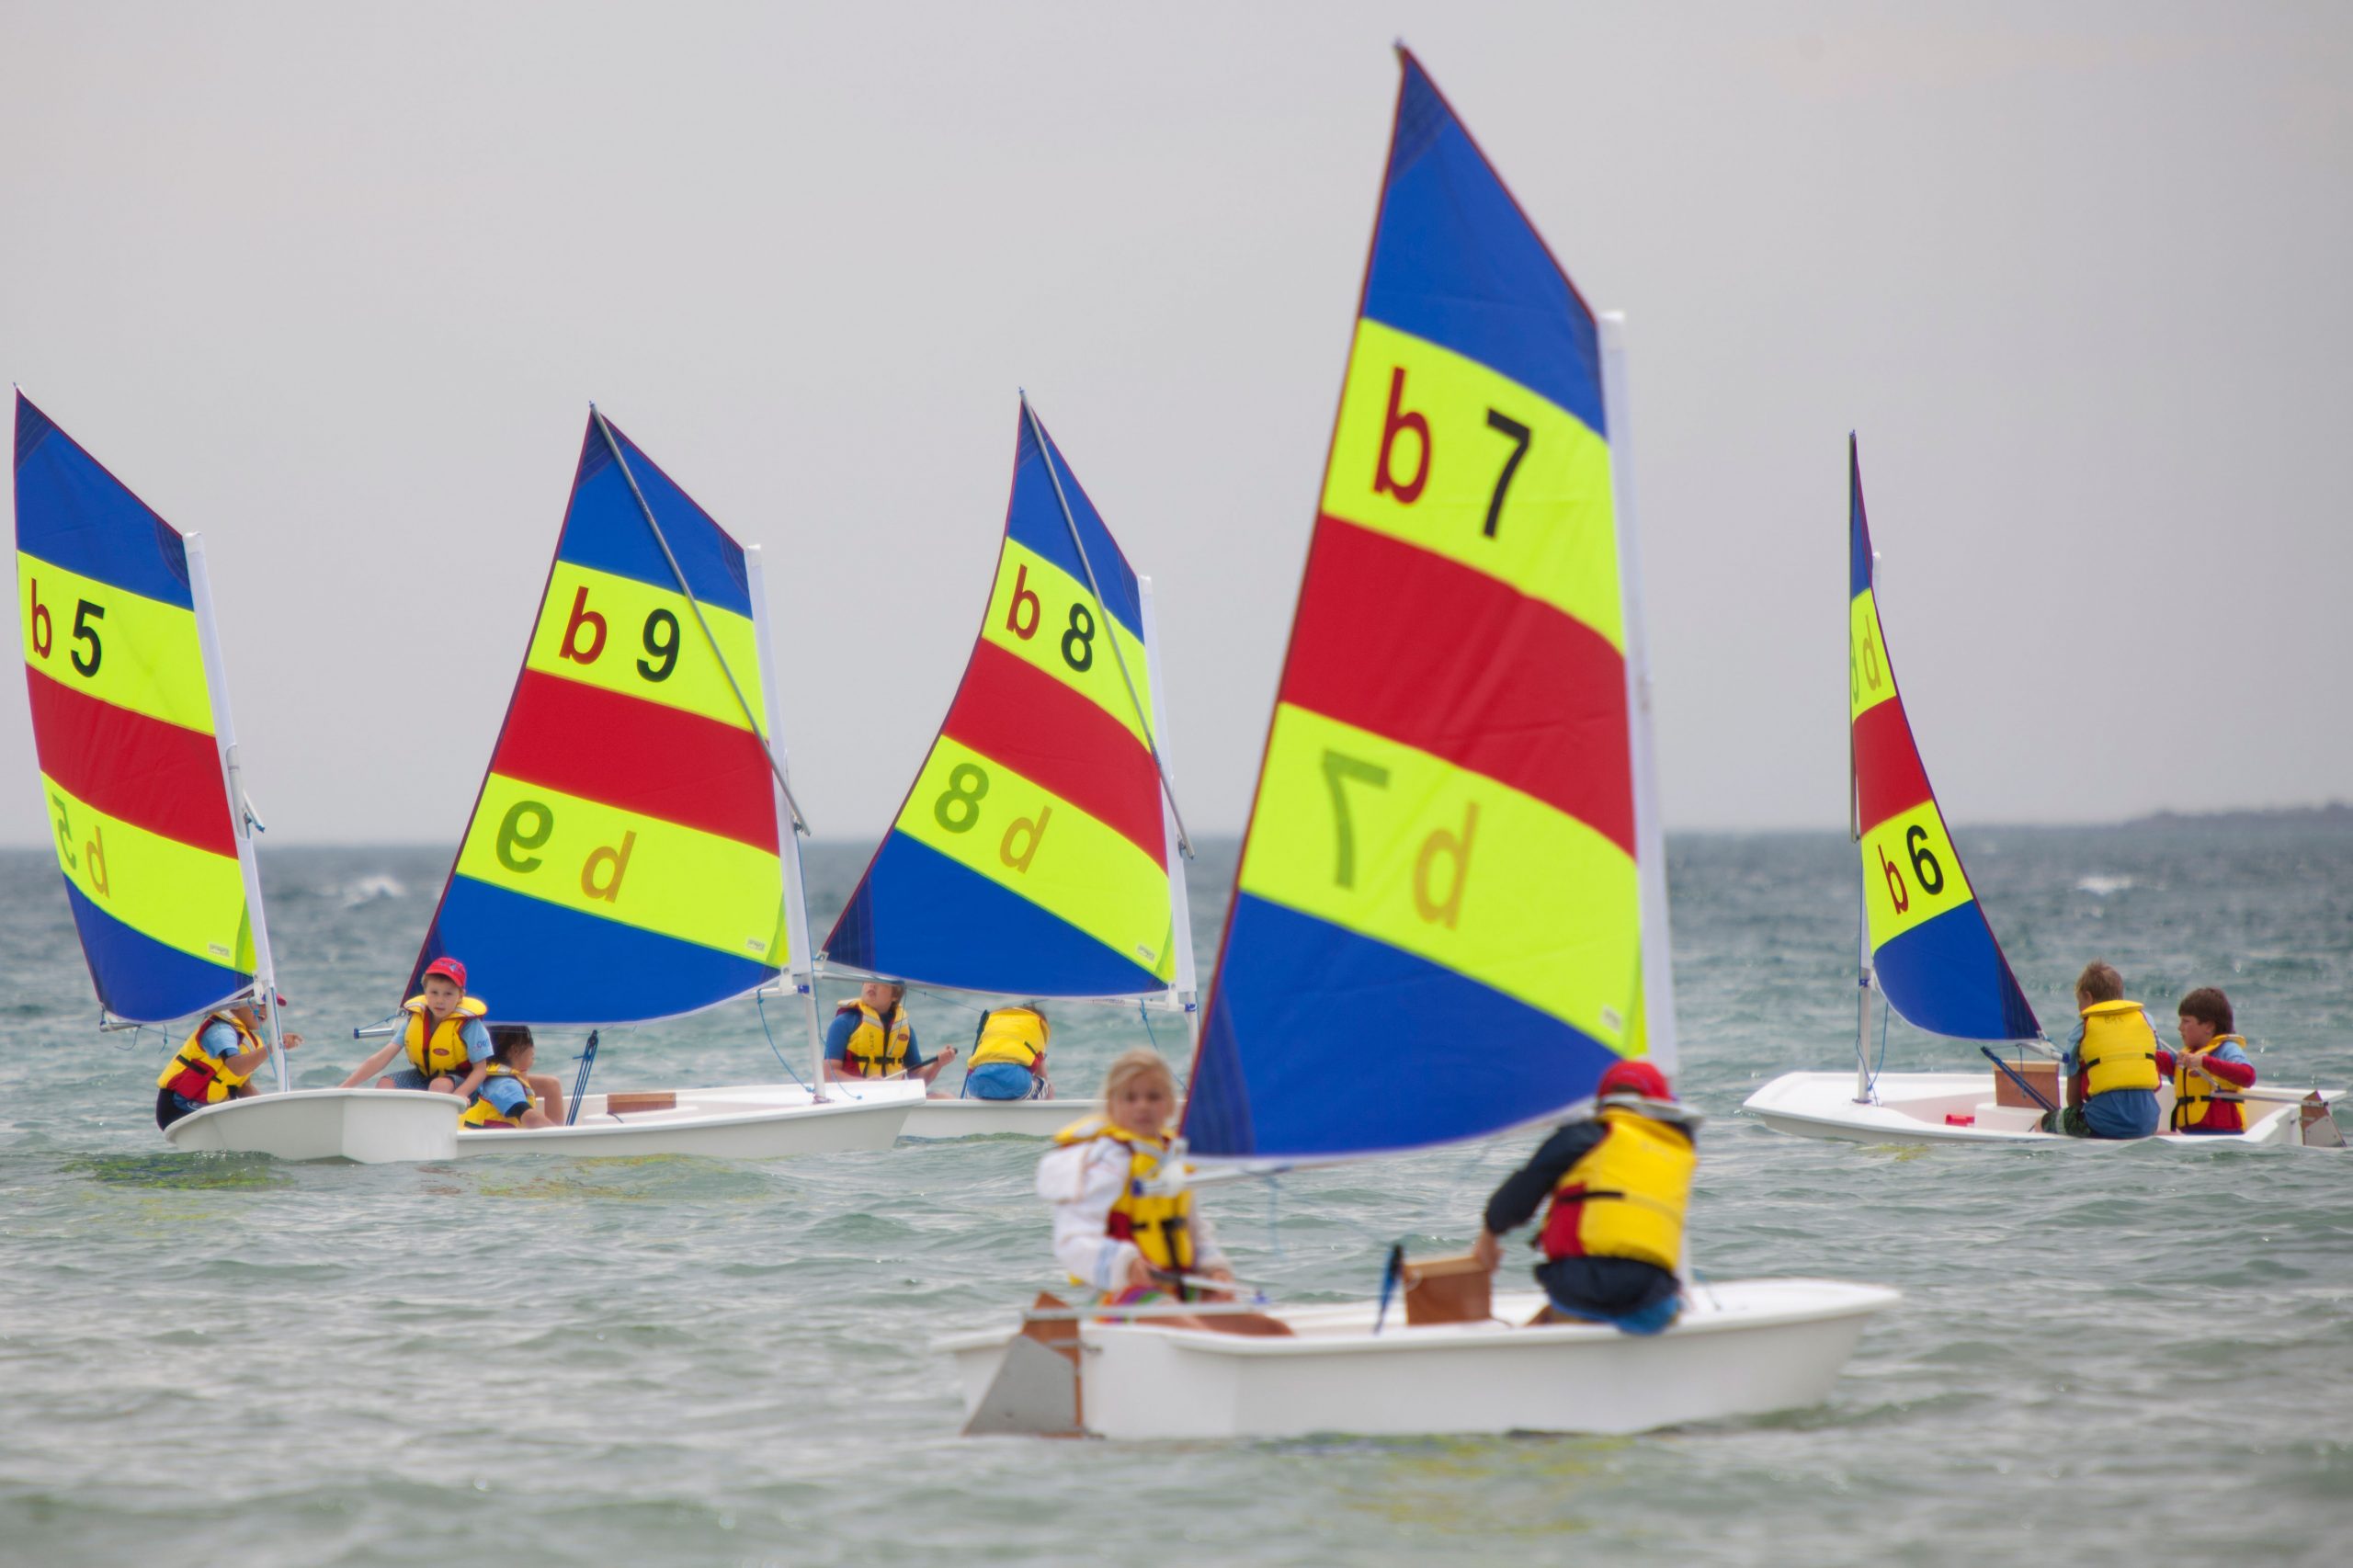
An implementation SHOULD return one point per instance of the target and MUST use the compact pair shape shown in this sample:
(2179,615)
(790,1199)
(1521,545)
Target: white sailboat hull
(1921,1107)
(979,1118)
(740,1123)
(1742,1348)
(368,1126)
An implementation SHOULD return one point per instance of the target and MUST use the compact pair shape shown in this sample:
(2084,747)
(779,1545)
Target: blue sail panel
(72,512)
(1450,1058)
(541,963)
(949,925)
(1948,976)
(604,529)
(1034,519)
(140,979)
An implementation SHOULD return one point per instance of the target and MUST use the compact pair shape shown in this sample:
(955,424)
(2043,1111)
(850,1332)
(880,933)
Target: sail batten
(623,861)
(114,638)
(1031,856)
(1930,946)
(1441,869)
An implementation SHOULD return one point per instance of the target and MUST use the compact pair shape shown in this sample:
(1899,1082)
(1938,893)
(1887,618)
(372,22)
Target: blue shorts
(1657,1318)
(1002,1081)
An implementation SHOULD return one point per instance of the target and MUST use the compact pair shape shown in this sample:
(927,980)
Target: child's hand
(1140,1273)
(288,1043)
(1488,1251)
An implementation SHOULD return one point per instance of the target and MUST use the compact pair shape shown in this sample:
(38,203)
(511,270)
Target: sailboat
(146,799)
(1038,854)
(632,851)
(1454,862)
(1926,947)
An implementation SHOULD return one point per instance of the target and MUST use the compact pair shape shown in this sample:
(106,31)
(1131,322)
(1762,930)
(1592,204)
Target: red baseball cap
(1633,1078)
(448,966)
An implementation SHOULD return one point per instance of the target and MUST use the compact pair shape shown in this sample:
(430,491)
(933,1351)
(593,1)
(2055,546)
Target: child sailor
(212,1065)
(1619,1182)
(442,1036)
(1116,1229)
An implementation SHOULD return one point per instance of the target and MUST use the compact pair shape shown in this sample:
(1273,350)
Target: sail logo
(1911,871)
(629,638)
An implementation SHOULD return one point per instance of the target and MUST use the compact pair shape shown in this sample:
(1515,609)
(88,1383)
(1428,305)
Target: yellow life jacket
(195,1073)
(875,1051)
(1012,1034)
(480,1112)
(445,1049)
(1625,1197)
(1160,1224)
(2119,1049)
(2193,1093)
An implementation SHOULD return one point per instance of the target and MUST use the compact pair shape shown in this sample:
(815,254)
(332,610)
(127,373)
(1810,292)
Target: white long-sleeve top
(1082,1181)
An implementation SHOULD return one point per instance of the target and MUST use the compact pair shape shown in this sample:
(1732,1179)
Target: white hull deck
(761,1123)
(1959,1108)
(979,1118)
(385,1126)
(1742,1348)
(368,1126)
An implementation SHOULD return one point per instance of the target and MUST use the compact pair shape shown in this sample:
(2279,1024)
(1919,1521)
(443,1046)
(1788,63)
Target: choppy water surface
(2104,1356)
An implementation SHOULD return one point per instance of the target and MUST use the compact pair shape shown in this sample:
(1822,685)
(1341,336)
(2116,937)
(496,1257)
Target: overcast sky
(334,285)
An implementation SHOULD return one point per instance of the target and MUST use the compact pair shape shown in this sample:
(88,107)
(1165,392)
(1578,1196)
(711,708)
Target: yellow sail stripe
(639,640)
(1870,681)
(1409,849)
(1910,872)
(1022,836)
(1424,439)
(622,866)
(113,644)
(1044,616)
(184,897)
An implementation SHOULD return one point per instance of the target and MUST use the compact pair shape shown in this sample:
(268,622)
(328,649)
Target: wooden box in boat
(1447,1290)
(2042,1075)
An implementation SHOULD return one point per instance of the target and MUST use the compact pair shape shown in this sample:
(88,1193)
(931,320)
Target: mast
(1185,987)
(1650,833)
(799,968)
(241,812)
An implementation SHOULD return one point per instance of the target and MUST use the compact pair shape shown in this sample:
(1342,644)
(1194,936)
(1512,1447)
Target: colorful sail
(625,856)
(1030,857)
(123,725)
(1437,928)
(1934,956)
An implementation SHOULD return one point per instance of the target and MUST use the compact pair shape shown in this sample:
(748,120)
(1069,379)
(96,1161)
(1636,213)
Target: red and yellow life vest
(875,1050)
(2119,1049)
(444,1049)
(480,1112)
(195,1073)
(2193,1093)
(1160,1224)
(1012,1034)
(1625,1197)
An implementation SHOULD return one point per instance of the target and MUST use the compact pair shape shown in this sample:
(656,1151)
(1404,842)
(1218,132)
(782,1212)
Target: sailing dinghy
(147,800)
(1927,947)
(1038,854)
(632,855)
(1454,864)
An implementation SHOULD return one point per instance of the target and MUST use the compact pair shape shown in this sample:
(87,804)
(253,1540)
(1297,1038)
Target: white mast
(798,967)
(1650,834)
(241,812)
(1184,988)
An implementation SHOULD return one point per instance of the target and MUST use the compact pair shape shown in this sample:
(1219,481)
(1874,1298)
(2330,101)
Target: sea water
(2104,1355)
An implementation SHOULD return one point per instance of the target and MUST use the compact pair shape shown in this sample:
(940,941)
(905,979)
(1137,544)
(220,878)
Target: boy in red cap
(447,1048)
(1620,1181)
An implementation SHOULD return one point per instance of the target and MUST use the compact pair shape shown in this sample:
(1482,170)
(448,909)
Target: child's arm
(373,1065)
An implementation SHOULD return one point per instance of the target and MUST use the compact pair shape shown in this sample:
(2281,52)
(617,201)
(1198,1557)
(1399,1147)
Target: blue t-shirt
(845,1025)
(507,1094)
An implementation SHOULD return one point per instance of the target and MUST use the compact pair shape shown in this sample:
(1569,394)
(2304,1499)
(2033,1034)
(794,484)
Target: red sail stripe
(642,757)
(155,775)
(1888,774)
(1009,709)
(1408,644)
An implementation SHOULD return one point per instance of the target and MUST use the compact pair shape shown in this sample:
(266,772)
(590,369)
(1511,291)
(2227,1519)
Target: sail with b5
(130,725)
